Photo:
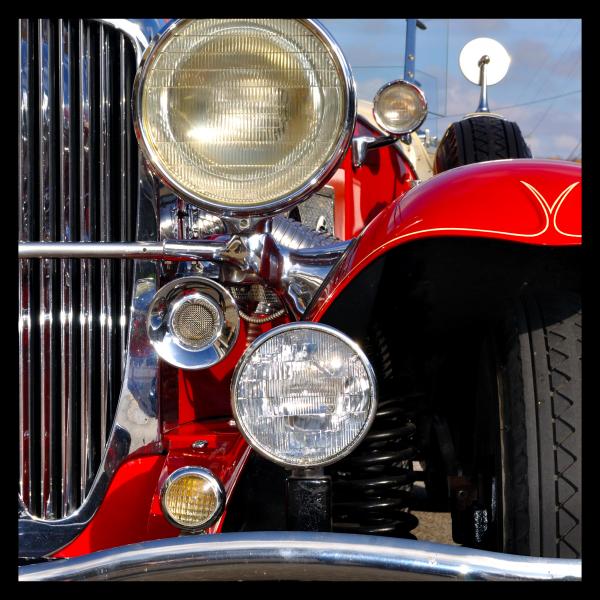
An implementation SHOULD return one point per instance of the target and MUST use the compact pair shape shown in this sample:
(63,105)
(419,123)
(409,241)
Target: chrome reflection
(135,427)
(300,556)
(168,338)
(296,274)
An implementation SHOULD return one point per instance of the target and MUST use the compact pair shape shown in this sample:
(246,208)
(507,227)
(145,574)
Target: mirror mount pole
(483,103)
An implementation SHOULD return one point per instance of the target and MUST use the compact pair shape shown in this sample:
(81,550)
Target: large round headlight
(244,116)
(303,395)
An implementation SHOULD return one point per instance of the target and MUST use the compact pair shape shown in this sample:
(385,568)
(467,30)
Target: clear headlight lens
(240,114)
(399,107)
(304,395)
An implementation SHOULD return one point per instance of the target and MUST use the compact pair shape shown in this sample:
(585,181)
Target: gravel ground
(434,527)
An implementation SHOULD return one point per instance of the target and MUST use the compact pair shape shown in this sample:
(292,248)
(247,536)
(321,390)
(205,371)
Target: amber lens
(244,112)
(191,500)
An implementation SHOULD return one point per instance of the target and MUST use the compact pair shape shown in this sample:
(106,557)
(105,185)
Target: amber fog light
(192,498)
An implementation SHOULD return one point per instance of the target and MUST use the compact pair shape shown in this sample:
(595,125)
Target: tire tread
(544,343)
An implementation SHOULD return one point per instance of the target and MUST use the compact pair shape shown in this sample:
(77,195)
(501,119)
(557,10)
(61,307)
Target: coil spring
(372,486)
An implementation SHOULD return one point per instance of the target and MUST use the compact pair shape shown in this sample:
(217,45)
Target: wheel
(477,139)
(528,441)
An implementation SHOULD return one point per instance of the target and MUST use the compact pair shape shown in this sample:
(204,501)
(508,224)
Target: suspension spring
(372,486)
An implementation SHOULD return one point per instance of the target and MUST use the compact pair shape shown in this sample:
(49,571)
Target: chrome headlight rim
(159,324)
(253,443)
(420,95)
(284,202)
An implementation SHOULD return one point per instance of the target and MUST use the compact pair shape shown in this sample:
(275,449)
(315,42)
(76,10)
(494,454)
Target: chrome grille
(77,182)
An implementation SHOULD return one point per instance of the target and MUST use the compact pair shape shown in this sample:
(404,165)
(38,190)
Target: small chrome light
(304,395)
(192,498)
(399,107)
(196,320)
(193,322)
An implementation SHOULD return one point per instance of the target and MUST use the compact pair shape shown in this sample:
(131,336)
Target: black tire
(478,139)
(536,365)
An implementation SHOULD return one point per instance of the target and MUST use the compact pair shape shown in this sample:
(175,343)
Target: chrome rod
(166,250)
(47,232)
(85,229)
(25,317)
(66,276)
(87,250)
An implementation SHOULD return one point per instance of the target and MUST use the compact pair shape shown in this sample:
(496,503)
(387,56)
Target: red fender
(528,201)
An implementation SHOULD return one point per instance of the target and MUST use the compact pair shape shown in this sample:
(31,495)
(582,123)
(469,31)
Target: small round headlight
(244,116)
(192,498)
(399,107)
(303,395)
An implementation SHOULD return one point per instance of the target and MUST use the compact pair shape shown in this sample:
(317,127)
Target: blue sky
(546,62)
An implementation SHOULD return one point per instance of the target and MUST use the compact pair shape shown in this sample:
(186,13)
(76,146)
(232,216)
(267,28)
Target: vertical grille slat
(69,501)
(125,204)
(85,232)
(25,318)
(47,233)
(76,183)
(105,230)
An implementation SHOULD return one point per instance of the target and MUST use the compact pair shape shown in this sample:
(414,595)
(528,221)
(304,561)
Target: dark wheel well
(437,300)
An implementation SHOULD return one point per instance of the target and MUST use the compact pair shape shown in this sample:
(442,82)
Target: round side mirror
(497,62)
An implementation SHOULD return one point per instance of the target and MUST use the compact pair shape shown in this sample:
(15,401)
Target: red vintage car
(256,316)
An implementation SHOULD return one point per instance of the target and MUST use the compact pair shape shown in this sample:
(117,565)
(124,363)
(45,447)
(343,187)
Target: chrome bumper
(298,556)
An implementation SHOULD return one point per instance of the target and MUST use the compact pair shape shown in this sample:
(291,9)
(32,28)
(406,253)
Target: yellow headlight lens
(242,113)
(192,498)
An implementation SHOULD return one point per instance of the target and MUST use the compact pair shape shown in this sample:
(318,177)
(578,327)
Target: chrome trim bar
(296,274)
(299,556)
(147,250)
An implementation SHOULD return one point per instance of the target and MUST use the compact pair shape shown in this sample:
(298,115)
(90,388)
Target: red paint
(131,512)
(224,455)
(485,200)
(362,193)
(123,515)
(205,393)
